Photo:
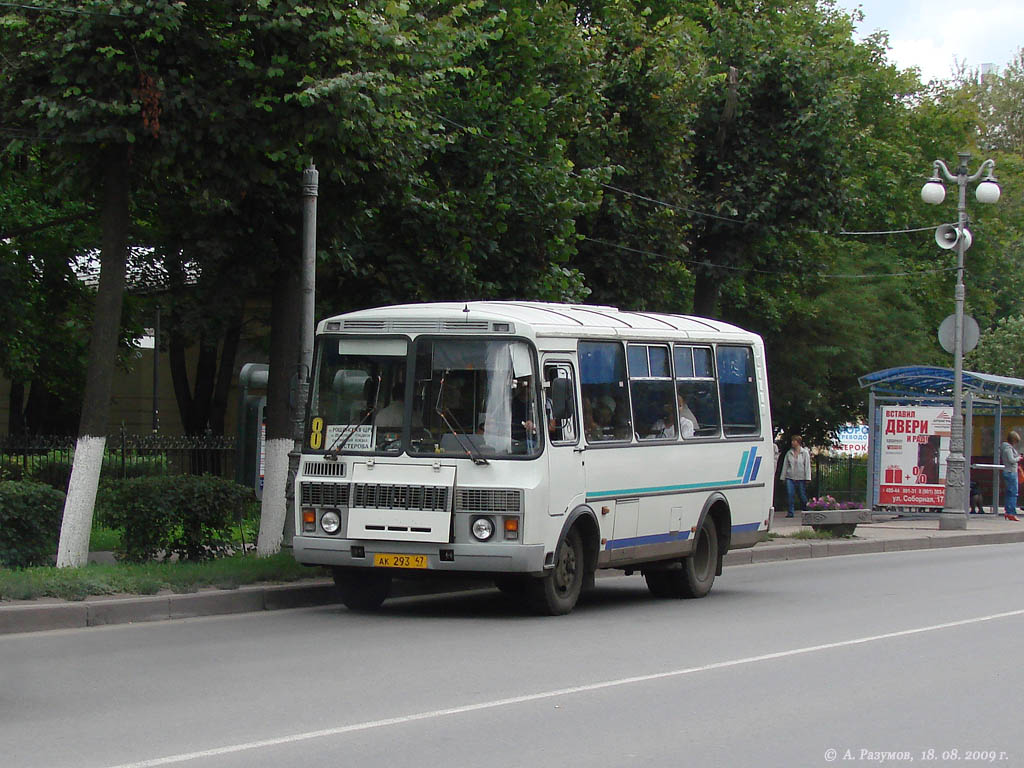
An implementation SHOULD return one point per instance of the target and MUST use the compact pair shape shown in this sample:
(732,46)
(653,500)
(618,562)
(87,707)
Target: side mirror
(561,399)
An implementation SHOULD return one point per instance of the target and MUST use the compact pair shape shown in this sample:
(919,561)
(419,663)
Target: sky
(934,34)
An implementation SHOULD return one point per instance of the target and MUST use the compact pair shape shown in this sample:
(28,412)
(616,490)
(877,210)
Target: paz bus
(532,443)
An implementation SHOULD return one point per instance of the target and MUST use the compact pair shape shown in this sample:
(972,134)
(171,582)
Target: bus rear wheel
(558,590)
(697,574)
(362,590)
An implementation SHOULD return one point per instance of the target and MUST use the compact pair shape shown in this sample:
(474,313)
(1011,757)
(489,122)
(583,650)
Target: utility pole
(310,192)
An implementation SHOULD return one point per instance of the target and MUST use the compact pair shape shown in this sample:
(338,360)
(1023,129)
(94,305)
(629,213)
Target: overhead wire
(654,201)
(700,263)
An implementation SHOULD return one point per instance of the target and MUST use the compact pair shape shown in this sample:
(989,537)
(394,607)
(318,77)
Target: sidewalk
(886,534)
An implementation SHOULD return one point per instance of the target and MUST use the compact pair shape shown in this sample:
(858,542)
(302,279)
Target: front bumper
(467,558)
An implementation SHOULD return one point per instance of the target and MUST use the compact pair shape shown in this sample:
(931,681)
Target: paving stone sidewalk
(886,534)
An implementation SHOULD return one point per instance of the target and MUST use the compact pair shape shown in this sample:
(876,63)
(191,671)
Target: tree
(1001,349)
(653,76)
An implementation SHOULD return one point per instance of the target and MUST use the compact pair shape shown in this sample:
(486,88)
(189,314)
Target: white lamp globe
(987,192)
(933,192)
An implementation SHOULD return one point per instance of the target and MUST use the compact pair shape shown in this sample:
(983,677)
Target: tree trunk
(76,526)
(16,409)
(225,374)
(706,288)
(284,357)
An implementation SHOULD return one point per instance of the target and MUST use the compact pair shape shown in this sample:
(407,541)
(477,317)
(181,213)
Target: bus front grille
(489,500)
(381,496)
(325,494)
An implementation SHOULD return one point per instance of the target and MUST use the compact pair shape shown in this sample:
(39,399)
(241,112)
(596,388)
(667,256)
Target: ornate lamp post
(954,510)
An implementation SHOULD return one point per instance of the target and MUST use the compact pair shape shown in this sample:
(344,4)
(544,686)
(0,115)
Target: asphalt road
(871,656)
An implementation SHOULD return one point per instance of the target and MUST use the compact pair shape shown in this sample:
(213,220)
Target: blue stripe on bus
(661,489)
(746,527)
(757,468)
(750,464)
(743,463)
(657,538)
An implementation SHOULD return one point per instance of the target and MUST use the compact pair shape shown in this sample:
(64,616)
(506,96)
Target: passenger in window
(665,427)
(524,426)
(604,418)
(687,421)
(590,426)
(554,428)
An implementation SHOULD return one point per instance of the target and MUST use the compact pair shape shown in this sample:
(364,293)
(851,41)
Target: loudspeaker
(946,237)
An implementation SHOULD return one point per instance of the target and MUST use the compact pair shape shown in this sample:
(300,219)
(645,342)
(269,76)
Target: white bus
(534,443)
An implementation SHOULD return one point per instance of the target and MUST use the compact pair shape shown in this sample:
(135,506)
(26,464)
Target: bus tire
(556,593)
(362,590)
(697,574)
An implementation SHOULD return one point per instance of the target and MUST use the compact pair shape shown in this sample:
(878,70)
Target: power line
(56,9)
(654,201)
(708,264)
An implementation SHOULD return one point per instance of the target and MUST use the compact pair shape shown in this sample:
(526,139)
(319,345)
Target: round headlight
(330,521)
(482,528)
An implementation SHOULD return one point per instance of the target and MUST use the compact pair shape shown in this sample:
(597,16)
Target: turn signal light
(308,520)
(511,527)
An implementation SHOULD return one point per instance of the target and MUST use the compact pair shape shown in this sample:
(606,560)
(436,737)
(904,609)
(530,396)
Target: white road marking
(496,703)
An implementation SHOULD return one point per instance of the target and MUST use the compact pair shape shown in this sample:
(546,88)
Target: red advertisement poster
(915,443)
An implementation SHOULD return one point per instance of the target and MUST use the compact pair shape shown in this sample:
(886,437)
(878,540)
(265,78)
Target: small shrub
(30,515)
(824,502)
(191,517)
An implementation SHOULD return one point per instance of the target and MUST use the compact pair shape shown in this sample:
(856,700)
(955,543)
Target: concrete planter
(840,522)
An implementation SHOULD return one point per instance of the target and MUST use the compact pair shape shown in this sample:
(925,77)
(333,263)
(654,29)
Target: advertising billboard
(915,443)
(852,439)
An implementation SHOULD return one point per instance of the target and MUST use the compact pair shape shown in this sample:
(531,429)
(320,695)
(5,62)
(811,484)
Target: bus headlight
(330,521)
(482,528)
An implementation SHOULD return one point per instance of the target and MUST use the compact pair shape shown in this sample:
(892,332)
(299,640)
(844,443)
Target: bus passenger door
(566,487)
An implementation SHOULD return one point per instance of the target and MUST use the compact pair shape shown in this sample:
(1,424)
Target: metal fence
(48,458)
(845,478)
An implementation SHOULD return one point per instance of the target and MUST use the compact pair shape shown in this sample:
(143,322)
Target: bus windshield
(480,398)
(467,398)
(357,399)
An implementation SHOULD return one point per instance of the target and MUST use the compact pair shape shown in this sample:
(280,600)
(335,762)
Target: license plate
(382,560)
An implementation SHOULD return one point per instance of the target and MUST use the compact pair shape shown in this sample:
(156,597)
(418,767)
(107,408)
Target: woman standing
(796,471)
(1010,455)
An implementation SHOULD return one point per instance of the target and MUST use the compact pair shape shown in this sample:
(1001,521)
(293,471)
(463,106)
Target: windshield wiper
(341,440)
(467,446)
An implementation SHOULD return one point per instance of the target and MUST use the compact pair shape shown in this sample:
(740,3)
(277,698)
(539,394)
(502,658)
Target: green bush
(30,515)
(189,516)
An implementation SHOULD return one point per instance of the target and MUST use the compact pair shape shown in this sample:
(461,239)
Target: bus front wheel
(362,590)
(697,574)
(558,590)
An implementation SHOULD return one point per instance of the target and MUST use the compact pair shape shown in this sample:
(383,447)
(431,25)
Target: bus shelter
(909,415)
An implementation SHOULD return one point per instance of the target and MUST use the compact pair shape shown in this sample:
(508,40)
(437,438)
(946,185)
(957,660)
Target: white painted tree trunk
(76,527)
(274,510)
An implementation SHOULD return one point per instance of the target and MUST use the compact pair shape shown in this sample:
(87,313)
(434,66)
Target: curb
(94,613)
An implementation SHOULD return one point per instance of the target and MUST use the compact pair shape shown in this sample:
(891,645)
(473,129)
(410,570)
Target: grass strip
(150,578)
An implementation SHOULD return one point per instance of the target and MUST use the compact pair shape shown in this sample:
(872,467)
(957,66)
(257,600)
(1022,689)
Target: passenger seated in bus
(391,417)
(524,427)
(554,427)
(687,421)
(665,426)
(590,426)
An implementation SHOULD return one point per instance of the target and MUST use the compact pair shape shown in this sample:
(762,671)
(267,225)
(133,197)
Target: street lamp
(954,510)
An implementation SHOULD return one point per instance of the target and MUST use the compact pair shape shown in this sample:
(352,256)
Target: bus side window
(560,430)
(695,382)
(737,388)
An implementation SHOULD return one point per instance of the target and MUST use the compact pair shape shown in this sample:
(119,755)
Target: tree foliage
(669,156)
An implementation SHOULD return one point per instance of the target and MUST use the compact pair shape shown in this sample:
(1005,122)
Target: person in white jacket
(796,471)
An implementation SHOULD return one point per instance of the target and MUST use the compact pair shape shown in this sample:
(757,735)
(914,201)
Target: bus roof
(529,318)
